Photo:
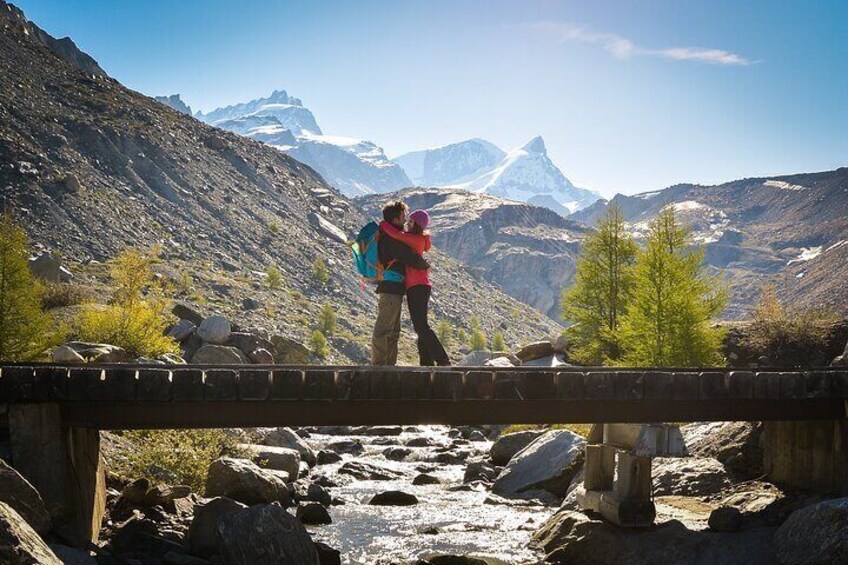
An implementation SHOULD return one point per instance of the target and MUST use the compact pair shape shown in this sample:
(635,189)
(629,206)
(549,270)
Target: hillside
(789,230)
(91,168)
(528,251)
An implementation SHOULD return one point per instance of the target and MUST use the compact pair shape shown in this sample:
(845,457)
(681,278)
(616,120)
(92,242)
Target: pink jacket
(419,243)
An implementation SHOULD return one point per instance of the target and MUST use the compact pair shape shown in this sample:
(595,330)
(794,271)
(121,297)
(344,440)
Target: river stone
(548,463)
(214,329)
(277,458)
(317,493)
(737,445)
(218,355)
(393,498)
(181,330)
(535,350)
(285,437)
(19,494)
(817,534)
(244,481)
(327,457)
(425,479)
(506,446)
(368,472)
(313,514)
(348,446)
(66,355)
(396,453)
(19,543)
(201,533)
(265,534)
(725,519)
(420,441)
(383,431)
(479,471)
(327,555)
(688,476)
(455,560)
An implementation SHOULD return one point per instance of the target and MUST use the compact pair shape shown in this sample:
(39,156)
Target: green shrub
(461,336)
(579,429)
(176,456)
(319,270)
(57,295)
(274,227)
(477,341)
(327,320)
(444,330)
(318,345)
(498,343)
(274,277)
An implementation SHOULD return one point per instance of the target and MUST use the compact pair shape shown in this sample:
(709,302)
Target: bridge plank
(415,386)
(840,383)
(657,385)
(686,385)
(479,385)
(58,377)
(117,385)
(187,385)
(287,384)
(154,385)
(16,383)
(446,386)
(818,384)
(599,385)
(508,386)
(629,385)
(220,384)
(713,385)
(538,386)
(767,385)
(83,383)
(569,385)
(740,384)
(319,385)
(385,385)
(791,385)
(254,384)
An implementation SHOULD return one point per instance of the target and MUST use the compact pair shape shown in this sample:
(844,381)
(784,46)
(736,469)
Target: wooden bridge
(53,413)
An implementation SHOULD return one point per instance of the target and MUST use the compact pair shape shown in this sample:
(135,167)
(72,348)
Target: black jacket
(389,250)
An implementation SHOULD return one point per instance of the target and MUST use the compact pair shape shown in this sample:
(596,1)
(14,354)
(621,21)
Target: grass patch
(579,429)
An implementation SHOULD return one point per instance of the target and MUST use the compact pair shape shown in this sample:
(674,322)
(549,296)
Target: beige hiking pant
(384,341)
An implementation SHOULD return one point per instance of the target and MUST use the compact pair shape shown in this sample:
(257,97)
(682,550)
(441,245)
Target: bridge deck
(195,396)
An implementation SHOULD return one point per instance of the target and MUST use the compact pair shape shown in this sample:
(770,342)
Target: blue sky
(629,96)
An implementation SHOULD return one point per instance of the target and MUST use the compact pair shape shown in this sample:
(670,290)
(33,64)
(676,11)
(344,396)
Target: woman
(417,282)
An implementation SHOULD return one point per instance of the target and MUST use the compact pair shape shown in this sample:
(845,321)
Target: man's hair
(394,209)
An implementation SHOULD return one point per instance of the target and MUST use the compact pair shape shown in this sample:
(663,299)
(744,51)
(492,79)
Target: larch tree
(602,288)
(668,320)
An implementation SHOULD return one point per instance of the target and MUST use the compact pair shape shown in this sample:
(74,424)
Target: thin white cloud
(624,48)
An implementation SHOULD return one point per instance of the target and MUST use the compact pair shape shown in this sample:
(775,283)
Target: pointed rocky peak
(535,145)
(175,102)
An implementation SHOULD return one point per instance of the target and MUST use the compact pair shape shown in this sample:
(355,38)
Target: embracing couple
(401,244)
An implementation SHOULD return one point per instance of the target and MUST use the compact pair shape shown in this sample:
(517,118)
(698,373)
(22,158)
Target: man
(394,256)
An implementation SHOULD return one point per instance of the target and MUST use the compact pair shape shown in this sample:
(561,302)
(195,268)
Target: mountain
(90,168)
(526,174)
(528,251)
(175,102)
(791,231)
(353,166)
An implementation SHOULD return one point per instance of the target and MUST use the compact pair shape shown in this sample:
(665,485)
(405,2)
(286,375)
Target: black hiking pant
(430,349)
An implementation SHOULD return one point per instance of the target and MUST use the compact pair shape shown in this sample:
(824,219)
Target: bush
(445,332)
(327,320)
(176,456)
(318,344)
(57,295)
(274,277)
(461,336)
(498,343)
(319,271)
(274,227)
(477,341)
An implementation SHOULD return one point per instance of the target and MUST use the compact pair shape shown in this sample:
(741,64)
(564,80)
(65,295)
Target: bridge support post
(63,464)
(807,454)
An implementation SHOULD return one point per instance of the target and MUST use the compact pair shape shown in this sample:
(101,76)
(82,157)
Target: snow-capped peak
(535,145)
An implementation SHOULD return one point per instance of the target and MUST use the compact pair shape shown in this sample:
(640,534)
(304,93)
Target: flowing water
(444,522)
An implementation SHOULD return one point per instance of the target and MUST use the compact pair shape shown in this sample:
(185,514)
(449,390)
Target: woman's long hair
(416,229)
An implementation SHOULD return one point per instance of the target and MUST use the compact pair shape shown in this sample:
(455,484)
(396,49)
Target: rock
(327,227)
(368,472)
(46,267)
(479,471)
(176,558)
(248,304)
(817,534)
(285,437)
(214,330)
(425,479)
(22,497)
(181,330)
(535,350)
(265,534)
(100,352)
(248,342)
(66,355)
(289,352)
(455,560)
(476,435)
(201,533)
(393,498)
(420,441)
(688,476)
(190,346)
(396,453)
(327,555)
(71,183)
(244,481)
(313,514)
(218,355)
(475,359)
(348,446)
(737,445)
(506,446)
(261,357)
(548,463)
(277,458)
(19,543)
(71,555)
(499,362)
(186,312)
(556,360)
(725,519)
(383,431)
(317,493)
(170,359)
(327,457)
(561,343)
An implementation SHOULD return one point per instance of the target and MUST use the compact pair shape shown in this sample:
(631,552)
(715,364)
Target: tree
(445,332)
(673,301)
(602,287)
(477,341)
(24,327)
(319,270)
(327,320)
(318,344)
(460,336)
(274,277)
(498,343)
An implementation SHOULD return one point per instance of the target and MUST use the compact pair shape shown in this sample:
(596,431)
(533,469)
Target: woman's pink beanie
(421,218)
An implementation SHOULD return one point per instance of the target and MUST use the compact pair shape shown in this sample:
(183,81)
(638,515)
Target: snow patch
(784,185)
(807,254)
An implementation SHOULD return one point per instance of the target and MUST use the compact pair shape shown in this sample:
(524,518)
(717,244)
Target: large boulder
(738,445)
(557,360)
(67,356)
(368,472)
(201,533)
(218,355)
(547,464)
(288,351)
(688,476)
(815,535)
(277,458)
(313,514)
(46,267)
(214,329)
(506,446)
(244,481)
(19,544)
(265,534)
(393,498)
(18,493)
(479,471)
(248,342)
(327,227)
(285,437)
(535,350)
(475,359)
(181,330)
(100,352)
